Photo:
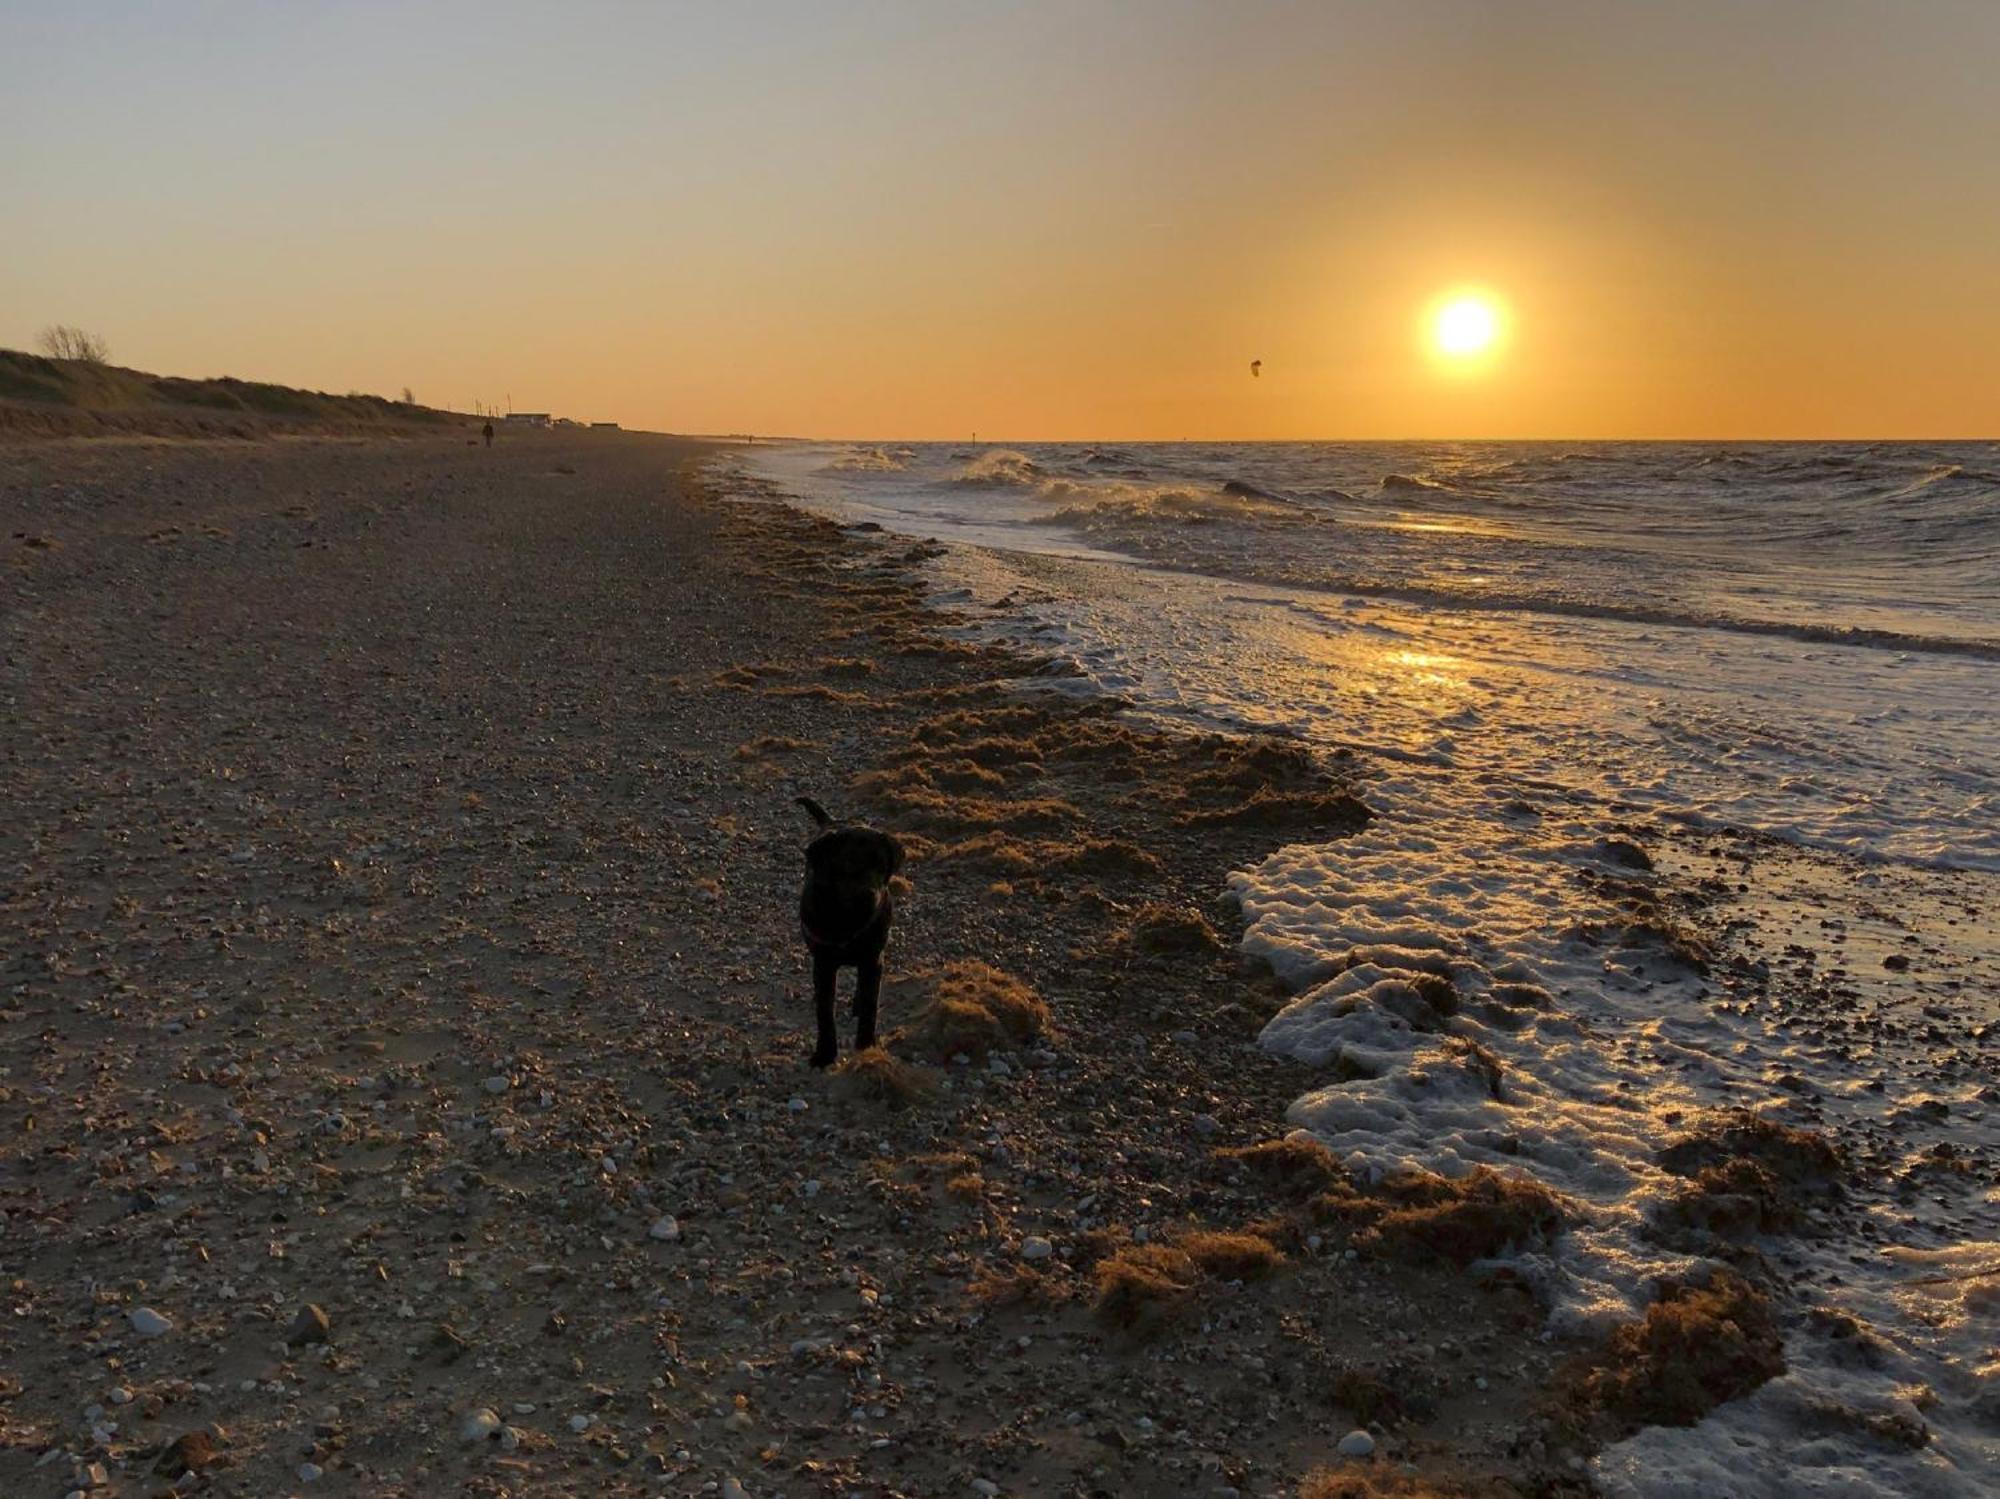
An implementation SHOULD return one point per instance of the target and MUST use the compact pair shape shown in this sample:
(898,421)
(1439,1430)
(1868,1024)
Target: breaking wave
(870,461)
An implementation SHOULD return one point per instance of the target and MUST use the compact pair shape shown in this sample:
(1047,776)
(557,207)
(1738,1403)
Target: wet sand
(400,894)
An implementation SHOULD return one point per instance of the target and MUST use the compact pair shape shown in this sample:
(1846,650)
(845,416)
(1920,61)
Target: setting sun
(1465,326)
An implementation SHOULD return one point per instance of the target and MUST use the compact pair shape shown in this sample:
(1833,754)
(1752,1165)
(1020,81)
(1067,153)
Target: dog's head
(851,857)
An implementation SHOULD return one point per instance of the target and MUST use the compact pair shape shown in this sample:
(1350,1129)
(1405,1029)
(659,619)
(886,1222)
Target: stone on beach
(479,1425)
(311,1325)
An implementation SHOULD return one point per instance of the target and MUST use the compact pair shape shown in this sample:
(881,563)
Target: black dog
(845,910)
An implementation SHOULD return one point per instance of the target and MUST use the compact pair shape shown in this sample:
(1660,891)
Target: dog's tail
(817,812)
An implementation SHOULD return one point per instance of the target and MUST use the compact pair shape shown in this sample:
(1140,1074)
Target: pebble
(1207,1124)
(579,1423)
(311,1325)
(1035,1247)
(1356,1444)
(666,1228)
(986,1487)
(311,1472)
(480,1425)
(148,1323)
(497,1085)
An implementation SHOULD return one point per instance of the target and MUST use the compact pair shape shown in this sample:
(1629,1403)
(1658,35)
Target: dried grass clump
(1796,1157)
(926,810)
(1473,1217)
(1696,1347)
(973,1008)
(1017,1285)
(820,692)
(767,745)
(1361,1483)
(1296,1166)
(932,649)
(1231,1256)
(1734,1201)
(845,666)
(747,675)
(1141,1285)
(992,752)
(1255,764)
(1170,931)
(1747,1175)
(1288,811)
(995,854)
(1003,720)
(1680,941)
(1104,857)
(963,776)
(1028,860)
(874,1076)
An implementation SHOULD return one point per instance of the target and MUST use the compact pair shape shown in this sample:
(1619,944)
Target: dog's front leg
(825,970)
(867,987)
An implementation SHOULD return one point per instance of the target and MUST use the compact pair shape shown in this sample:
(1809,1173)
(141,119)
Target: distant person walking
(487,432)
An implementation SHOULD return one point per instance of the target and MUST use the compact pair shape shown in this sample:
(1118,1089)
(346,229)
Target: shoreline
(410,868)
(1836,997)
(355,785)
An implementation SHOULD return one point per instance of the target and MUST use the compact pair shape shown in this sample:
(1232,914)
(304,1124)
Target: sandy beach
(404,1030)
(1397,613)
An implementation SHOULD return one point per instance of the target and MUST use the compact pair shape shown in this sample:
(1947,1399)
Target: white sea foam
(1510,751)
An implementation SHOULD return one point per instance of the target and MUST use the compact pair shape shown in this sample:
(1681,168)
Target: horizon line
(1272,441)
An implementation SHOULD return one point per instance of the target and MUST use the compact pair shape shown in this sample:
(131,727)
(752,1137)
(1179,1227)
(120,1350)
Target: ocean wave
(1952,477)
(1240,489)
(998,468)
(1098,511)
(1517,602)
(1889,545)
(870,460)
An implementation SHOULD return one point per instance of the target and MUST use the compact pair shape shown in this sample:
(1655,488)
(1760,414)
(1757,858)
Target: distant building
(604,426)
(529,419)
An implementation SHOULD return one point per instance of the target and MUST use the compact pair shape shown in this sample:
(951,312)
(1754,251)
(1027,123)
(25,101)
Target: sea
(1774,667)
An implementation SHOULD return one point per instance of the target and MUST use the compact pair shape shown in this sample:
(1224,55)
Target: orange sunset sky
(1031,220)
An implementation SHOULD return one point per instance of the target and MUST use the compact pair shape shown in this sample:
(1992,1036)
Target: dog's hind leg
(867,989)
(825,971)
